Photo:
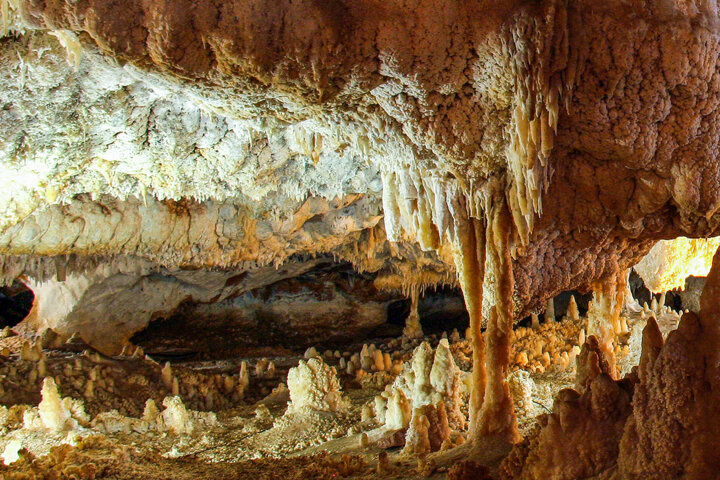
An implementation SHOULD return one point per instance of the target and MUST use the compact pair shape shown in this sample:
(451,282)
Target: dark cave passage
(15,303)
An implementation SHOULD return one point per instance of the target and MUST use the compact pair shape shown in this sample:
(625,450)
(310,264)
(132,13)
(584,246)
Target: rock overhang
(594,123)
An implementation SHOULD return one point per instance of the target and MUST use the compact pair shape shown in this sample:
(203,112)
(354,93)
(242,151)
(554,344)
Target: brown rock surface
(657,423)
(674,421)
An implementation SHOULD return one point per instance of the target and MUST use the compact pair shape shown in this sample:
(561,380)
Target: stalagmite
(601,323)
(446,384)
(426,379)
(660,421)
(366,359)
(654,306)
(42,367)
(243,378)
(550,311)
(380,408)
(176,417)
(257,151)
(620,289)
(387,361)
(53,414)
(26,351)
(314,386)
(399,411)
(439,430)
(378,360)
(534,321)
(572,309)
(383,465)
(454,336)
(521,359)
(89,391)
(417,441)
(422,363)
(167,376)
(175,388)
(522,388)
(261,367)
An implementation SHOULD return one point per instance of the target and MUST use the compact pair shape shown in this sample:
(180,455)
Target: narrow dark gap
(560,304)
(15,303)
(638,289)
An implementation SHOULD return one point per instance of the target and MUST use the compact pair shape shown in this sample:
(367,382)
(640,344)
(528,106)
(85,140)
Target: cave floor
(224,434)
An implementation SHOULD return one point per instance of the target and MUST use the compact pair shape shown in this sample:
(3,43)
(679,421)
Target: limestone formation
(53,414)
(314,386)
(413,329)
(655,423)
(202,122)
(219,187)
(429,378)
(522,388)
(670,262)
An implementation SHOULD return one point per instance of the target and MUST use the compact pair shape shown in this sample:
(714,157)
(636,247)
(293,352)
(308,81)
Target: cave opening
(16,301)
(331,305)
(679,299)
(440,309)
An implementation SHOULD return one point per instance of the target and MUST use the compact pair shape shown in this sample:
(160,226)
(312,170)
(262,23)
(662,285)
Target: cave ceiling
(236,135)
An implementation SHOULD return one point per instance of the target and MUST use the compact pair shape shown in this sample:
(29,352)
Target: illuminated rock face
(670,262)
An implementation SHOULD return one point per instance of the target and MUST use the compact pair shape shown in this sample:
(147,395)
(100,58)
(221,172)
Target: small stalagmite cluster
(429,390)
(314,385)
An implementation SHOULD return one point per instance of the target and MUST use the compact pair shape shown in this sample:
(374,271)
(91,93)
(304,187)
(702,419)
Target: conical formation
(659,422)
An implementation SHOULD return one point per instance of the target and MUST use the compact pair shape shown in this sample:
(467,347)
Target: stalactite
(534,119)
(470,261)
(7,11)
(391,208)
(497,417)
(413,329)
